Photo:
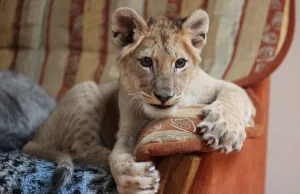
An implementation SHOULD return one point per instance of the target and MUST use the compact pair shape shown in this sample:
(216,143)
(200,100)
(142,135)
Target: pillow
(179,133)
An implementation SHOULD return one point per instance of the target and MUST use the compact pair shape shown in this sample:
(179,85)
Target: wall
(283,159)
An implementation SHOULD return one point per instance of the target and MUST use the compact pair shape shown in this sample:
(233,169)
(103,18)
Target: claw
(152,168)
(210,141)
(223,150)
(228,149)
(237,147)
(203,130)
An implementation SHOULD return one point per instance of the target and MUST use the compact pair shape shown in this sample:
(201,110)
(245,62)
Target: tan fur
(80,127)
(74,125)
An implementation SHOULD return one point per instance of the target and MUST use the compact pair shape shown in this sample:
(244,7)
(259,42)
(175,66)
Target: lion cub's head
(158,57)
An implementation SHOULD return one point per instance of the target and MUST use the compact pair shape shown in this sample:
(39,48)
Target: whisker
(134,98)
(133,94)
(146,96)
(140,105)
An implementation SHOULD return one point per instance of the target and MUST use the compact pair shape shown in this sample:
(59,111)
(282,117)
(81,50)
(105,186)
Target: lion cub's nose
(163,98)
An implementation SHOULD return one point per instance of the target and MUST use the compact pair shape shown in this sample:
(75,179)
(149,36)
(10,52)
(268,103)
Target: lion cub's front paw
(137,178)
(223,128)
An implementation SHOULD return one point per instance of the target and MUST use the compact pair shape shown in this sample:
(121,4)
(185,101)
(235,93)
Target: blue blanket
(20,173)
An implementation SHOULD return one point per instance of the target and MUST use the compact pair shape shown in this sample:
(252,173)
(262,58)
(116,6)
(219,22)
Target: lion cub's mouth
(161,106)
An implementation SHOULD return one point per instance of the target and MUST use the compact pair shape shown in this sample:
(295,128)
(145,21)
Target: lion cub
(159,72)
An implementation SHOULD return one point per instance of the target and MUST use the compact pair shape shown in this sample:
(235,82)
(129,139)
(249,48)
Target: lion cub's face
(158,57)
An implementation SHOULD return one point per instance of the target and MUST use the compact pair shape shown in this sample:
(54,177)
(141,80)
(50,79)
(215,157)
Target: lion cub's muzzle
(161,99)
(165,99)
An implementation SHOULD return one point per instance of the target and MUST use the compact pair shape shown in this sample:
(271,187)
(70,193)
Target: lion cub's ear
(126,26)
(197,26)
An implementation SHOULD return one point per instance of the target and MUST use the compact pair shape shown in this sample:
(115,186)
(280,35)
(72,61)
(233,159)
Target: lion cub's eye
(146,62)
(180,63)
